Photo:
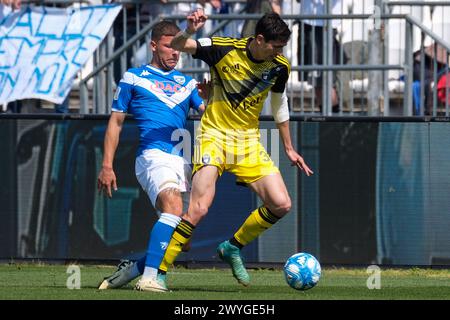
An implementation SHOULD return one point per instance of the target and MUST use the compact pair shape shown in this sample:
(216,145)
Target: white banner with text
(43,48)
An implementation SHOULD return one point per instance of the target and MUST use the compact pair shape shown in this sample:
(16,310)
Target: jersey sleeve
(196,101)
(280,83)
(124,93)
(210,51)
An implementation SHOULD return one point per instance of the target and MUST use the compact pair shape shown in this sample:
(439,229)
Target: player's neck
(253,51)
(158,66)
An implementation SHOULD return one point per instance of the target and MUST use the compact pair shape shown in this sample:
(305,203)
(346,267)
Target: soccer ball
(302,271)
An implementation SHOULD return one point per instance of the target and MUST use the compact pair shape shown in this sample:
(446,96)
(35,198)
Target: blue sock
(159,239)
(141,264)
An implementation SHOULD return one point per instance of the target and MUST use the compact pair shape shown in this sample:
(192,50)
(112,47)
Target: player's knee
(172,207)
(286,206)
(197,211)
(170,201)
(282,207)
(201,210)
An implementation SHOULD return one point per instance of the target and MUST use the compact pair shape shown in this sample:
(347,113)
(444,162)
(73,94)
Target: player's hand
(297,160)
(216,4)
(15,4)
(106,180)
(196,20)
(204,88)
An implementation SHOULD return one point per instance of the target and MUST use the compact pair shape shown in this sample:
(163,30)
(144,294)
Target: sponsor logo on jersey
(169,87)
(144,73)
(233,69)
(250,102)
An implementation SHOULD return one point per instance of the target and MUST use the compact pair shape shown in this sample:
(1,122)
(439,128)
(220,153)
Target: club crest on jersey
(265,75)
(179,79)
(206,159)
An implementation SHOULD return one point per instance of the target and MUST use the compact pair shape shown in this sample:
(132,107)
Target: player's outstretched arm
(204,89)
(294,157)
(182,42)
(107,178)
(280,111)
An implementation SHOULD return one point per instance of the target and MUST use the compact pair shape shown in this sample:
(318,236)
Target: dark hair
(272,27)
(164,28)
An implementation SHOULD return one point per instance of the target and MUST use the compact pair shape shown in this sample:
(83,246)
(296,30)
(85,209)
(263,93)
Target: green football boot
(232,255)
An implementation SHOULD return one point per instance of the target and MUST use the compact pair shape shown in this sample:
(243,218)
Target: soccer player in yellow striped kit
(243,71)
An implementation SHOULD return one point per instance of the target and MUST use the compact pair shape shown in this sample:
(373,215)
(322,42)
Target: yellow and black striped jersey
(240,84)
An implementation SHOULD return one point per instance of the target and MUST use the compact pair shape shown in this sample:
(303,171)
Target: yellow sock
(259,221)
(181,235)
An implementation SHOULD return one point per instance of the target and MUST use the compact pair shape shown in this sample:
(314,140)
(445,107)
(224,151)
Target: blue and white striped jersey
(159,101)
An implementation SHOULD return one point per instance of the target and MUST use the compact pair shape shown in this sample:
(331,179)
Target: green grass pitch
(44,281)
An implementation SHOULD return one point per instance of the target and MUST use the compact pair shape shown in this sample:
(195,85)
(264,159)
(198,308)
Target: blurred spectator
(214,7)
(124,28)
(434,53)
(354,38)
(15,4)
(311,38)
(258,6)
(443,87)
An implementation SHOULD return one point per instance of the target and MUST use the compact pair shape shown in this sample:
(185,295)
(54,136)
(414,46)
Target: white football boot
(152,284)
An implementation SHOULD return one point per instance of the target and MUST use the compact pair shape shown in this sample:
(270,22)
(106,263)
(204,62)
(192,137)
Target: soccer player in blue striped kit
(159,97)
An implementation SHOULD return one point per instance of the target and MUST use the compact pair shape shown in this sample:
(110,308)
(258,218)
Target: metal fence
(376,58)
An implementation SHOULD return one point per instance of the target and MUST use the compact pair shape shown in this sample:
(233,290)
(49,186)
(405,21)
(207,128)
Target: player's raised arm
(182,41)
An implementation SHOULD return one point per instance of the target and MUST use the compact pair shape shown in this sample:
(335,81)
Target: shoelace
(238,259)
(124,264)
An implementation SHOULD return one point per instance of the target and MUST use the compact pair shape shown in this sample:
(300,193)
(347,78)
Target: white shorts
(157,170)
